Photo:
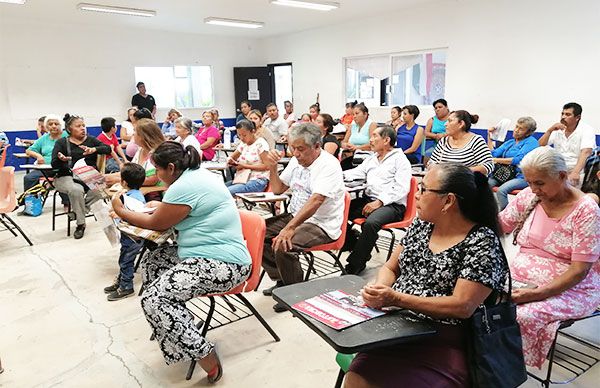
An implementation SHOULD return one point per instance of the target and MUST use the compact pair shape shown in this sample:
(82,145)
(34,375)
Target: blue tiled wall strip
(95,131)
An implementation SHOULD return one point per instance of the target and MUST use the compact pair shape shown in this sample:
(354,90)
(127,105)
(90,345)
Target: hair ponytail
(172,152)
(467,118)
(474,196)
(523,217)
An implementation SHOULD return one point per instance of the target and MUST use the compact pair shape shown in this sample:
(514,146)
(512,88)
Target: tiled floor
(57,329)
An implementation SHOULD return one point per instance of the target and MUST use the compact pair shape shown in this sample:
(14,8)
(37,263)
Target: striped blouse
(474,153)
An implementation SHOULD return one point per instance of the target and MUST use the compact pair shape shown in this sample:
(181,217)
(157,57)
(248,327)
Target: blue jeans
(112,166)
(252,186)
(129,250)
(506,188)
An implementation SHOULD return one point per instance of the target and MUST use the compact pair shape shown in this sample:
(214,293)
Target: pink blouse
(203,134)
(573,237)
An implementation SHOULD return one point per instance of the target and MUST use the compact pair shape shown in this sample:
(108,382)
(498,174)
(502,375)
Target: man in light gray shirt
(275,123)
(387,174)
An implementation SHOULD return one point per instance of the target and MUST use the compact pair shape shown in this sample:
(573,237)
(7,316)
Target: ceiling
(188,15)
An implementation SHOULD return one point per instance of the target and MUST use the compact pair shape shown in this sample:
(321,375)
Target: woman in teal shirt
(359,135)
(210,256)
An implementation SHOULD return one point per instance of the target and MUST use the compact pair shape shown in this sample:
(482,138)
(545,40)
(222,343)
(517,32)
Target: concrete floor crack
(50,265)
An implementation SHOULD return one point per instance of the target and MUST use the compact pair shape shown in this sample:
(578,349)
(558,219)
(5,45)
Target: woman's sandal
(217,372)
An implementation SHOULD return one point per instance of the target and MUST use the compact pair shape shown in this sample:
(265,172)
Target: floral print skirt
(540,320)
(169,282)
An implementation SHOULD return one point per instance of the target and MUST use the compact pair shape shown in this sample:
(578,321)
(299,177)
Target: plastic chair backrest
(3,157)
(423,149)
(253,229)
(8,198)
(411,201)
(339,243)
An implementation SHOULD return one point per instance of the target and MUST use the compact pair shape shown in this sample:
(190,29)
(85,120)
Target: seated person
(4,142)
(41,151)
(316,209)
(591,181)
(40,131)
(461,146)
(395,120)
(357,138)
(67,151)
(109,137)
(388,174)
(208,136)
(329,142)
(168,127)
(348,116)
(573,138)
(446,265)
(511,153)
(252,173)
(557,229)
(435,129)
(210,256)
(132,178)
(410,135)
(275,122)
(256,117)
(184,129)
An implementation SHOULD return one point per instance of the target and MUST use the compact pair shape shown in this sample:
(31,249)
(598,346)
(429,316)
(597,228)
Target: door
(254,85)
(281,84)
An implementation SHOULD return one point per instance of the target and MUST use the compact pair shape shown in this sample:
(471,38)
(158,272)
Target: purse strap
(494,294)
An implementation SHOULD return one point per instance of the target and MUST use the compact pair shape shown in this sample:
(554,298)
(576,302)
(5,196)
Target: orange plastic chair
(253,229)
(409,216)
(3,157)
(8,201)
(332,246)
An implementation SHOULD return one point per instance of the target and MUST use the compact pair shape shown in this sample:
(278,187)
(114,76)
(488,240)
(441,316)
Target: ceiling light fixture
(315,5)
(13,1)
(117,10)
(233,22)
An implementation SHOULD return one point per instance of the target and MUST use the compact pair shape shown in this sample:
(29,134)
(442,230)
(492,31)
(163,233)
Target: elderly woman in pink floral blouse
(558,230)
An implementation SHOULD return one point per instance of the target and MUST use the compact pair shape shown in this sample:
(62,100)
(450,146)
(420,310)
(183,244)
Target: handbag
(241,176)
(504,172)
(495,348)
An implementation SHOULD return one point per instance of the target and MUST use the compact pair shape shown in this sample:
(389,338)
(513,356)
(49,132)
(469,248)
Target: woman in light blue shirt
(512,152)
(210,256)
(359,135)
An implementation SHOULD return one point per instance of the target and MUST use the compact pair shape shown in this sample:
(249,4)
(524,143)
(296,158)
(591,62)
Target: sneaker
(119,293)
(279,308)
(269,291)
(113,287)
(79,231)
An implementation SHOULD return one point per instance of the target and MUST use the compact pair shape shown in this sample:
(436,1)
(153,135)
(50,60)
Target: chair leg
(311,262)
(231,306)
(337,261)
(18,228)
(209,316)
(54,210)
(392,241)
(340,379)
(258,316)
(8,227)
(139,259)
(262,275)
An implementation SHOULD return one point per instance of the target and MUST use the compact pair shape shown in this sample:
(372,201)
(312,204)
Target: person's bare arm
(262,166)
(465,298)
(502,161)
(271,159)
(208,143)
(576,272)
(416,144)
(330,147)
(543,141)
(165,216)
(428,133)
(283,241)
(574,174)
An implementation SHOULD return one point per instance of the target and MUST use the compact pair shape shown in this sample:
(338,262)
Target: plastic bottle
(227,137)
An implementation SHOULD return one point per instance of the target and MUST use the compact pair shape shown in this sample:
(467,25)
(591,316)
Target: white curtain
(377,67)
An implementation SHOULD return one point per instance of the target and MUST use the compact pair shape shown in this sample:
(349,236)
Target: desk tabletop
(22,155)
(387,330)
(262,197)
(214,165)
(36,166)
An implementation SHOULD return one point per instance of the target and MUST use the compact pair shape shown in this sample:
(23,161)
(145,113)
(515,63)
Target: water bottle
(227,137)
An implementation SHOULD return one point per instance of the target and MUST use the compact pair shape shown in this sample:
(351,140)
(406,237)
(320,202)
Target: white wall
(506,58)
(58,68)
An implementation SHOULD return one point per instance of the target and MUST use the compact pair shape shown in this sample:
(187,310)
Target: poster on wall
(253,95)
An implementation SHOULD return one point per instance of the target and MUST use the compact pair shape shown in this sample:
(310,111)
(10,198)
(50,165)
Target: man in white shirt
(275,123)
(387,174)
(573,139)
(289,116)
(316,209)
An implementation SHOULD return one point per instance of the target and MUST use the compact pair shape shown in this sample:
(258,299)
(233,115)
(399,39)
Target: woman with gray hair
(557,228)
(506,175)
(184,128)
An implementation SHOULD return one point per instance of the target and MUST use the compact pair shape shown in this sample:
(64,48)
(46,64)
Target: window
(396,79)
(178,86)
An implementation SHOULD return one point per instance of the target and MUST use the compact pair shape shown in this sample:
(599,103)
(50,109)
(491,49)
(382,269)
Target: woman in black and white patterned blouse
(447,264)
(461,146)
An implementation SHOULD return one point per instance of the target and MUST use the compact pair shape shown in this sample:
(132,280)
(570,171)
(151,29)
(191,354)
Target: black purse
(495,348)
(504,172)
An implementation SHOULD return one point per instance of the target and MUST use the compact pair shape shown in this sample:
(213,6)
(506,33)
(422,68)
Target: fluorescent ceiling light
(316,5)
(233,22)
(13,1)
(117,10)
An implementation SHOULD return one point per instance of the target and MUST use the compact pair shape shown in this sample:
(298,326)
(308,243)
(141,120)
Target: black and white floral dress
(477,258)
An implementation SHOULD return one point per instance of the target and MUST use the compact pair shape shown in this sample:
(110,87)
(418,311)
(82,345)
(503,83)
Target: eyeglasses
(423,189)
